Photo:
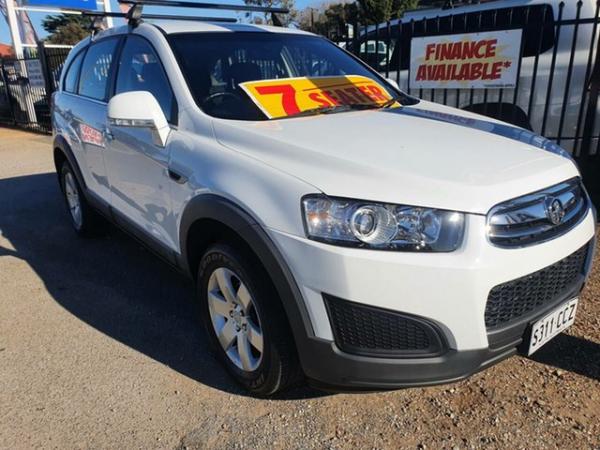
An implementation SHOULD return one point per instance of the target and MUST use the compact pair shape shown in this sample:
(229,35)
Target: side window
(141,70)
(70,84)
(95,71)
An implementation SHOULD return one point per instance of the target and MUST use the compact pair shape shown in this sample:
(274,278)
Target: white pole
(109,20)
(13,24)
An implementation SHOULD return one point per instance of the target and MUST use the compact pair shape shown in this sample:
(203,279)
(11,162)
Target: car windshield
(215,64)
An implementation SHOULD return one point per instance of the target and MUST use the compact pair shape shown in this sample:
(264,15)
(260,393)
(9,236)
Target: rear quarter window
(72,74)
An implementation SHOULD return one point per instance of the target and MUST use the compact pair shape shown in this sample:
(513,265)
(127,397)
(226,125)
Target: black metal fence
(558,75)
(26,86)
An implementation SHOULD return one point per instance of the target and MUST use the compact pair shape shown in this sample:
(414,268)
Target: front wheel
(246,322)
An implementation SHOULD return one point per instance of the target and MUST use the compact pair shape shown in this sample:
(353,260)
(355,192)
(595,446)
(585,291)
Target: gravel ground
(100,348)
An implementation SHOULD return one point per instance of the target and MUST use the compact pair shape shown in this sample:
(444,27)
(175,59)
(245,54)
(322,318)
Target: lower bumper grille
(511,301)
(365,330)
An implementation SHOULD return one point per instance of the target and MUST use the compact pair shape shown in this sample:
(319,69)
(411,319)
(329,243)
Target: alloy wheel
(235,319)
(72,195)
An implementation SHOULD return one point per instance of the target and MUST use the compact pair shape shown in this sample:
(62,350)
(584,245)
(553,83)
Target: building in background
(6,51)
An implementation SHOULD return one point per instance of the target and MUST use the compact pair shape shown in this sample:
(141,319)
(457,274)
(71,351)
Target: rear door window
(96,69)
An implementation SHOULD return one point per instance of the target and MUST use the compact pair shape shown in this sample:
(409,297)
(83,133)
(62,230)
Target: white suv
(362,245)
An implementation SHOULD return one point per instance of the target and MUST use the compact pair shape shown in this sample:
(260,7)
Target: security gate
(26,87)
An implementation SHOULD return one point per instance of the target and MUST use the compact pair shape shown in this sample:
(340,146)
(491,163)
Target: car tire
(245,321)
(84,219)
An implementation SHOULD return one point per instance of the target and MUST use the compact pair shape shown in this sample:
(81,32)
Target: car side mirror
(393,83)
(139,109)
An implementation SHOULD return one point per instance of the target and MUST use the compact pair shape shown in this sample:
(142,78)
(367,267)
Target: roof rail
(135,14)
(96,26)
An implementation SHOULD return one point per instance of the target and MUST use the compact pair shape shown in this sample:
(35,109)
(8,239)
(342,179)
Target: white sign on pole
(465,61)
(34,73)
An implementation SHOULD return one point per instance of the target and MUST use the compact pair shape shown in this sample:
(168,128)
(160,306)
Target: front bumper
(450,290)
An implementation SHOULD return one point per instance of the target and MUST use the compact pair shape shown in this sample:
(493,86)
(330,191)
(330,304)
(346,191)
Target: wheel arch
(62,152)
(209,218)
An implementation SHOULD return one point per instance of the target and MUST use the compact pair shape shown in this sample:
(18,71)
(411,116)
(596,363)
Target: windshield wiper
(391,101)
(338,109)
(320,110)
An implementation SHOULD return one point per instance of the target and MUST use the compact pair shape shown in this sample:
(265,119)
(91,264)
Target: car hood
(425,155)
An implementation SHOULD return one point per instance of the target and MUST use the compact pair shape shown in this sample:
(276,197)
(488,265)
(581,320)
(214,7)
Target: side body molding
(210,206)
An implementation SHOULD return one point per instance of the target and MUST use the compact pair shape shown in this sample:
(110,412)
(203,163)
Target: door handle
(176,177)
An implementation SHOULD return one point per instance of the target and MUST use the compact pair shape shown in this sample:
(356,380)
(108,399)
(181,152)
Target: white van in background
(546,43)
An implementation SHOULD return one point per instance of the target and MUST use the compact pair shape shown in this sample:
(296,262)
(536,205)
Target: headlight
(381,226)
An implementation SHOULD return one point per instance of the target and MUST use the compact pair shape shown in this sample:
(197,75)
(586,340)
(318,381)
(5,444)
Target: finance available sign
(467,61)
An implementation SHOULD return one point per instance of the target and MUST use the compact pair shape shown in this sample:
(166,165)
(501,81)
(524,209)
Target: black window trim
(113,82)
(117,51)
(81,53)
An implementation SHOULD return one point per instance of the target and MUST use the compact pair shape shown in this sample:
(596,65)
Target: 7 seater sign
(465,61)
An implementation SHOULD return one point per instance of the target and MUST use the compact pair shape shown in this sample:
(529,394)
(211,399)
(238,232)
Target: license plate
(554,323)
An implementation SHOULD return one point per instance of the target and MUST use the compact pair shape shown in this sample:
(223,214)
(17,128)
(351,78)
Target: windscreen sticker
(285,97)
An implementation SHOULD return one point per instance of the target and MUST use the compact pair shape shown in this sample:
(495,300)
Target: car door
(89,112)
(137,167)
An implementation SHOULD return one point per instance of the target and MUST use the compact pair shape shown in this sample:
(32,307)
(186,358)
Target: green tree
(378,11)
(399,6)
(66,29)
(330,19)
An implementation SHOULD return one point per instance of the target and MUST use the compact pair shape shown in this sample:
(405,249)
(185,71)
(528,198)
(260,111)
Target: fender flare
(61,144)
(217,208)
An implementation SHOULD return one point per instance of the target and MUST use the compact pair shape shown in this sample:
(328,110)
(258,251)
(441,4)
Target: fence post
(8,93)
(48,81)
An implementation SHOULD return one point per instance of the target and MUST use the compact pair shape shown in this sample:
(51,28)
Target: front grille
(365,330)
(524,296)
(538,217)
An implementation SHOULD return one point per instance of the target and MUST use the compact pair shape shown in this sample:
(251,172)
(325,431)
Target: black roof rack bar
(161,16)
(203,5)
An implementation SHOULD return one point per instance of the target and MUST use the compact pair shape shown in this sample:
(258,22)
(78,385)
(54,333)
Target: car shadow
(111,283)
(573,354)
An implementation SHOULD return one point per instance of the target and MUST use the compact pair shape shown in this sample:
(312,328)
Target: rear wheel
(84,219)
(245,321)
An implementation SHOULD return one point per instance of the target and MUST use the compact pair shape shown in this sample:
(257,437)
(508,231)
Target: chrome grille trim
(527,220)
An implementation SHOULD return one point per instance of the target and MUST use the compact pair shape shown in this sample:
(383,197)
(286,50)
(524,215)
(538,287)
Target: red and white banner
(465,61)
